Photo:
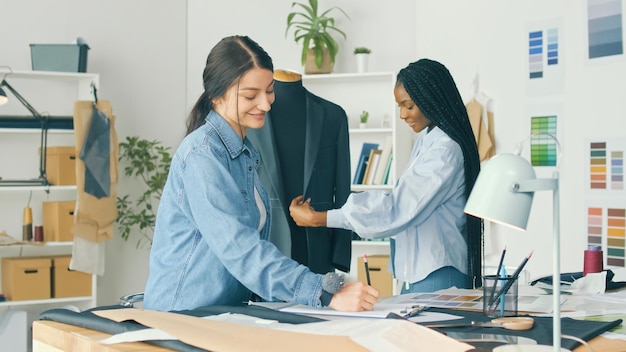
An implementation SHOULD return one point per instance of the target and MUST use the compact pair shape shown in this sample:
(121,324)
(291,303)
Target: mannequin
(289,126)
(304,147)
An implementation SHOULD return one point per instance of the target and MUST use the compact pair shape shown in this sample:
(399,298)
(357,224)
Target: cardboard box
(61,165)
(58,220)
(59,57)
(66,282)
(26,278)
(380,277)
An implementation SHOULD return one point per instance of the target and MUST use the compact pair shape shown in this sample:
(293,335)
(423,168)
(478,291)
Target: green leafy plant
(364,116)
(314,30)
(362,50)
(149,162)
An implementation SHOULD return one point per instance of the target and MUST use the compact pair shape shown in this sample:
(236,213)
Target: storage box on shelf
(58,219)
(380,277)
(61,165)
(66,282)
(26,278)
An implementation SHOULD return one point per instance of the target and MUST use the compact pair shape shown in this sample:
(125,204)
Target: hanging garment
(96,153)
(95,216)
(481,120)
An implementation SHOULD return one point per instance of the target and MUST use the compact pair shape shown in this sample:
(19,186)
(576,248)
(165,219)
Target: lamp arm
(22,100)
(533,185)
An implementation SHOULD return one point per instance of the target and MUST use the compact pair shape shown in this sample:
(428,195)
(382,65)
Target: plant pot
(311,68)
(363,125)
(362,60)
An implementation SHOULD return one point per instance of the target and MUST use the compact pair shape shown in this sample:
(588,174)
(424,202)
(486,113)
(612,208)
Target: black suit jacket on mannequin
(325,178)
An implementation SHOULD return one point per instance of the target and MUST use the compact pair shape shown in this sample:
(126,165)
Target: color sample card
(545,57)
(553,46)
(604,25)
(606,227)
(535,54)
(543,148)
(606,165)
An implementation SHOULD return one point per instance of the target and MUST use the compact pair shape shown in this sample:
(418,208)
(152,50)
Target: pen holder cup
(500,296)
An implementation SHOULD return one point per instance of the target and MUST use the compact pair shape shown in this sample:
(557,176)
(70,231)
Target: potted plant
(149,162)
(362,57)
(313,29)
(363,118)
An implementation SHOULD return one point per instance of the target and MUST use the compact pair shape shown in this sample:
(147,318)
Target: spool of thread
(39,233)
(27,227)
(593,260)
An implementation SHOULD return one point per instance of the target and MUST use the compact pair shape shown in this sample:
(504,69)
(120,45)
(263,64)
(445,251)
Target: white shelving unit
(51,93)
(372,92)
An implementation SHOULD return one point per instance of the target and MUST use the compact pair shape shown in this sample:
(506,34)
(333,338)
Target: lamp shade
(495,196)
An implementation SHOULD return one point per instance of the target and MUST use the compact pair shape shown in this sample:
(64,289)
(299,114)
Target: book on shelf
(362,162)
(372,164)
(387,170)
(384,160)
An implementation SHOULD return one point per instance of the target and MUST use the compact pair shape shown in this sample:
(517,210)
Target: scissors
(509,323)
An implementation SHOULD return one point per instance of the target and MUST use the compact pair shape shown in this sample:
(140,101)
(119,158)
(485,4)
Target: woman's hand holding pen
(304,215)
(354,297)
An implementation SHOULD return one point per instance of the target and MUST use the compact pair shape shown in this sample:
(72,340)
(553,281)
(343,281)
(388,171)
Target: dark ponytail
(431,86)
(227,62)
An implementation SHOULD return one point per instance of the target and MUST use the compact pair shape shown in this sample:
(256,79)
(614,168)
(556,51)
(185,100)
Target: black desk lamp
(43,120)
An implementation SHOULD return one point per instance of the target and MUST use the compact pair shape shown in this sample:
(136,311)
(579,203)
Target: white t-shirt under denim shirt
(423,213)
(207,248)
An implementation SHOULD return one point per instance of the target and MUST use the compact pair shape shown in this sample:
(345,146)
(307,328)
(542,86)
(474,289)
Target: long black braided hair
(431,87)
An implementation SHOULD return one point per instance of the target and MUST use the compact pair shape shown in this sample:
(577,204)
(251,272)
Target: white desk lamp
(503,193)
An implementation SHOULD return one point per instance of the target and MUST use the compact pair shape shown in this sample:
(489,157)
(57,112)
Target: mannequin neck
(287,76)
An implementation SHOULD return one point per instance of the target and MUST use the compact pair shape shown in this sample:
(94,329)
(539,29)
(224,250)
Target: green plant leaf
(147,161)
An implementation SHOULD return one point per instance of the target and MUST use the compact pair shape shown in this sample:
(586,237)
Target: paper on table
(381,310)
(224,336)
(375,335)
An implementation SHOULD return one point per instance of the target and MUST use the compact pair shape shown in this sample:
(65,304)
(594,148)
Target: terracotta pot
(311,68)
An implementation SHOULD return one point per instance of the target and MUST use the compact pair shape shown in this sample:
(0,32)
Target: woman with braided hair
(434,244)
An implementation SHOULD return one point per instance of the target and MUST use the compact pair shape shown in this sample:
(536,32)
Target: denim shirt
(206,248)
(423,214)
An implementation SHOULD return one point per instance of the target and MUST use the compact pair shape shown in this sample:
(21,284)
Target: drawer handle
(31,271)
(72,213)
(72,157)
(374,269)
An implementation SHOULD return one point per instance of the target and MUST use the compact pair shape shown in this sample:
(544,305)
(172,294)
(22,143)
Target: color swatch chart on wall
(543,147)
(604,26)
(606,165)
(606,227)
(536,57)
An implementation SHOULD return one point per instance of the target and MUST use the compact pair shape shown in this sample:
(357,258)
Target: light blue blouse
(423,213)
(207,249)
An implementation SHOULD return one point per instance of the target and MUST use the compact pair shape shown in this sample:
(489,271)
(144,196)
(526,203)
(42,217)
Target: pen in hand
(367,270)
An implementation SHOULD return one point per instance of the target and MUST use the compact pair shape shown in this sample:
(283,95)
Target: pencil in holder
(500,296)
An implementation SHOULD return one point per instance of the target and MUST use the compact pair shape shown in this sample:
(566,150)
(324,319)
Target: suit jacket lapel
(263,140)
(314,112)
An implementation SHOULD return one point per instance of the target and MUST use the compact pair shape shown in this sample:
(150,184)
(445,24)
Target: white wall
(490,37)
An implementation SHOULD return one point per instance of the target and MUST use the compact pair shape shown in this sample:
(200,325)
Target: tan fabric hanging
(482,125)
(94,218)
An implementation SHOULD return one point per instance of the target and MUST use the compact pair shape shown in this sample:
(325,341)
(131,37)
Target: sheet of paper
(381,310)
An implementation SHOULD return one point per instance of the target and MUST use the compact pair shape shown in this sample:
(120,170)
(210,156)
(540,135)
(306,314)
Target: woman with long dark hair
(434,244)
(210,243)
